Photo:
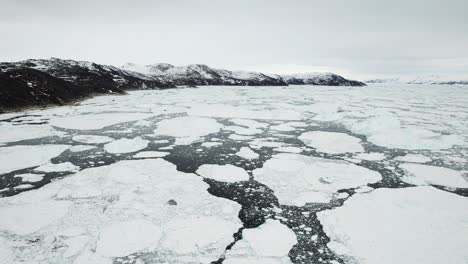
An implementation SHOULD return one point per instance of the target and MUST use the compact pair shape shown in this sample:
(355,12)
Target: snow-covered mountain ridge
(40,82)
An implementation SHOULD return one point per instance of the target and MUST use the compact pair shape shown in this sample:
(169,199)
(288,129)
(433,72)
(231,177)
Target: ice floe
(92,139)
(126,145)
(419,174)
(96,121)
(331,142)
(30,177)
(151,154)
(373,156)
(247,153)
(12,133)
(224,173)
(187,129)
(117,210)
(57,167)
(406,226)
(80,148)
(416,158)
(21,157)
(298,179)
(268,243)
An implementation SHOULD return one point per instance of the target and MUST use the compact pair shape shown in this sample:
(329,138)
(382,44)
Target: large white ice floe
(386,130)
(419,174)
(268,243)
(139,206)
(242,112)
(92,139)
(58,167)
(406,226)
(224,173)
(331,142)
(21,157)
(12,133)
(247,153)
(416,158)
(298,179)
(151,154)
(187,129)
(96,121)
(126,145)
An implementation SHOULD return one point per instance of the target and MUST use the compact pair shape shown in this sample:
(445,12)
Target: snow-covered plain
(294,174)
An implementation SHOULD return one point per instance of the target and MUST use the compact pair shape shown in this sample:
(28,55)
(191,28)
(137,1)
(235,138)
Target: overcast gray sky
(360,39)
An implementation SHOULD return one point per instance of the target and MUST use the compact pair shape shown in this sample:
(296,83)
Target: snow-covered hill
(40,82)
(430,79)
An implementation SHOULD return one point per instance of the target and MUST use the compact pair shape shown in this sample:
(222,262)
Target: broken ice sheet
(128,196)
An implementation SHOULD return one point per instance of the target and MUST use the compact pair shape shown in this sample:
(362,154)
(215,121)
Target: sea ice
(151,154)
(20,157)
(92,139)
(373,156)
(187,129)
(12,133)
(298,179)
(126,145)
(416,158)
(96,121)
(57,167)
(419,174)
(30,177)
(123,238)
(224,173)
(268,243)
(80,148)
(331,142)
(247,153)
(424,225)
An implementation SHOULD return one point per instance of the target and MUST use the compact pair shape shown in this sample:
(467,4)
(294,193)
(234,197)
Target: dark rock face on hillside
(55,82)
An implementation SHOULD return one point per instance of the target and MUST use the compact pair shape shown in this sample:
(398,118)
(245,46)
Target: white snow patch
(224,173)
(426,225)
(126,145)
(331,142)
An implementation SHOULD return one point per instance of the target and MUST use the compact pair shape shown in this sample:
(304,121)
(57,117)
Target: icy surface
(92,139)
(138,154)
(19,157)
(331,142)
(96,121)
(225,173)
(118,210)
(425,225)
(187,129)
(298,179)
(419,174)
(53,167)
(247,153)
(268,243)
(126,145)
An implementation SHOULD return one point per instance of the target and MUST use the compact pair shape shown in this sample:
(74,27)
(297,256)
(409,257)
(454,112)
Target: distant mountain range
(42,82)
(428,80)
